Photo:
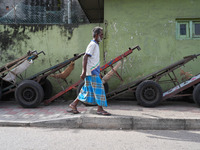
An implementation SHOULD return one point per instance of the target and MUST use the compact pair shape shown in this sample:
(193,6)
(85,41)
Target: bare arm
(85,58)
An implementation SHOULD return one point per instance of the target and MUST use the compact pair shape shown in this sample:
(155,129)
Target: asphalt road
(23,138)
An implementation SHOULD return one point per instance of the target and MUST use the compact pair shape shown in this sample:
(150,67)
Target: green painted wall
(150,24)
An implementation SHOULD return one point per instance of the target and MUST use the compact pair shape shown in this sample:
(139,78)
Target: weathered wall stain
(5,40)
(14,34)
(9,38)
(67,30)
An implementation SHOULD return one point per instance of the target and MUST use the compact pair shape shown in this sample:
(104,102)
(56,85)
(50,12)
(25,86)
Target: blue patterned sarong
(93,91)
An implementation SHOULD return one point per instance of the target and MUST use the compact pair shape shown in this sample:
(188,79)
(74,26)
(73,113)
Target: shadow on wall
(14,35)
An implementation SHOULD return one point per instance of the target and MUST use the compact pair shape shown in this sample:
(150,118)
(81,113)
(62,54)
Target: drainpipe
(64,8)
(69,12)
(14,6)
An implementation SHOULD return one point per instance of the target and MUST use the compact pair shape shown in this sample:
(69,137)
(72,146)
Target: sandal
(104,113)
(73,109)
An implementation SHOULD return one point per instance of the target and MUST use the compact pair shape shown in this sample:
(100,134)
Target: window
(183,30)
(188,29)
(196,29)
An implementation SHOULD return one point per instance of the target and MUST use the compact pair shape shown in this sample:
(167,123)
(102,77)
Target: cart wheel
(48,89)
(29,94)
(106,87)
(196,94)
(0,93)
(79,87)
(149,93)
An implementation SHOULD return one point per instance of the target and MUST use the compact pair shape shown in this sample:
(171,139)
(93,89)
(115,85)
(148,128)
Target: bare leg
(74,103)
(100,108)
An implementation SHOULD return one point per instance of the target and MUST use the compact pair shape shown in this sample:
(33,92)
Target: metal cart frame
(147,90)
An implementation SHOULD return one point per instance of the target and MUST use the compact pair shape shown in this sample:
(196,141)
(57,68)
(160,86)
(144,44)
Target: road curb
(14,124)
(111,122)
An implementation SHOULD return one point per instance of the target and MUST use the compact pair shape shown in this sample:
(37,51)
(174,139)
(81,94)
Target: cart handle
(35,54)
(138,48)
(41,52)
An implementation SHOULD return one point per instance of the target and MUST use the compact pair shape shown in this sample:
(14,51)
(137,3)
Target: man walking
(93,90)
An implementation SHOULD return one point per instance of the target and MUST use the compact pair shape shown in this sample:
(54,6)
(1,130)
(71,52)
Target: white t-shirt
(93,63)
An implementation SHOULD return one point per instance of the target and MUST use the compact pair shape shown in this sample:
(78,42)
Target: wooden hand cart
(13,70)
(149,93)
(31,91)
(102,68)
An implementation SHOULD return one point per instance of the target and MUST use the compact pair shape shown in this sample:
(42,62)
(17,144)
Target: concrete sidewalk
(170,115)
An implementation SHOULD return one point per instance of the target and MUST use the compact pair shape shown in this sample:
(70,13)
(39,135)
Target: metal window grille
(44,12)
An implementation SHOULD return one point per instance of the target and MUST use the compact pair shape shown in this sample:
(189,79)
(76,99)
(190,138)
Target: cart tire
(106,87)
(0,93)
(79,87)
(196,94)
(29,94)
(48,89)
(149,93)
